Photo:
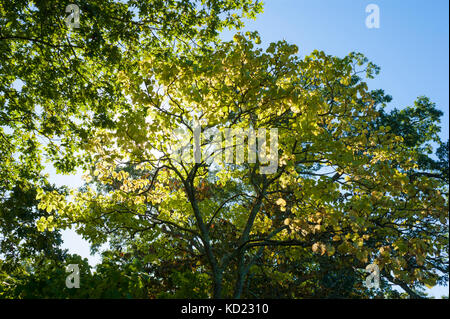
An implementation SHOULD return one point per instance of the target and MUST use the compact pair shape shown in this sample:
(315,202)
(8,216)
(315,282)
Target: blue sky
(411,47)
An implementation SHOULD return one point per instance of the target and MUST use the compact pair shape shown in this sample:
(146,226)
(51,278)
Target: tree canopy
(354,184)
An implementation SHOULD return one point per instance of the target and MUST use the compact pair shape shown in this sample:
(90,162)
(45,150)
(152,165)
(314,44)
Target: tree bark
(217,284)
(241,274)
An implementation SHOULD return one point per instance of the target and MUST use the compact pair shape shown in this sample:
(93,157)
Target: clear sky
(411,47)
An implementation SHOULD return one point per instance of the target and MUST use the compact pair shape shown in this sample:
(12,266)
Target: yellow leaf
(281,202)
(315,247)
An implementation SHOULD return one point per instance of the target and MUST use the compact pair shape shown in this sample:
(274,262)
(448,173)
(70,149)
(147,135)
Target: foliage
(355,185)
(58,84)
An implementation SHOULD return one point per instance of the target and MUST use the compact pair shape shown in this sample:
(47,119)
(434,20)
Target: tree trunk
(241,274)
(217,284)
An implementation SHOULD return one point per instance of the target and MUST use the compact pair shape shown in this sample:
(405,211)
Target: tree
(351,187)
(59,84)
(32,263)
